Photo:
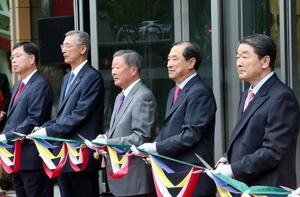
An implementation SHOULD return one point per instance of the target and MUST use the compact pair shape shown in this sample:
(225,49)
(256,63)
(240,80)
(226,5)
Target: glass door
(145,26)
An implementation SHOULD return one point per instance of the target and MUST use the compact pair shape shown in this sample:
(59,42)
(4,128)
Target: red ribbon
(85,158)
(17,158)
(54,173)
(122,172)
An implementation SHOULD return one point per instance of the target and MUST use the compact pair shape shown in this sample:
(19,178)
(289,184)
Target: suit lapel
(257,101)
(63,99)
(172,107)
(23,93)
(125,105)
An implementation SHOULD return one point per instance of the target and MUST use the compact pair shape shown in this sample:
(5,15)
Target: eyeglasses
(17,56)
(67,46)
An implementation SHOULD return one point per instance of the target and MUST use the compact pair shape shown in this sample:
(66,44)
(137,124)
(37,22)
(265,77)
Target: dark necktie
(122,97)
(248,99)
(19,92)
(177,91)
(71,76)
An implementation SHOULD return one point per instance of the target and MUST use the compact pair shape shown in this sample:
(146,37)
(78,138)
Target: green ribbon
(240,186)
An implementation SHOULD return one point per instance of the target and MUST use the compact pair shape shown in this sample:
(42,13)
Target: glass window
(145,26)
(5,39)
(200,33)
(262,17)
(298,47)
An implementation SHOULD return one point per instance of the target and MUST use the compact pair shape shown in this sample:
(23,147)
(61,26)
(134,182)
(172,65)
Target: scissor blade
(203,161)
(286,188)
(19,134)
(81,136)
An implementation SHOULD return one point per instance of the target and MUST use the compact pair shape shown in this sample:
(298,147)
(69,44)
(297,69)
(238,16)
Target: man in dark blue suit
(30,106)
(189,124)
(80,111)
(262,147)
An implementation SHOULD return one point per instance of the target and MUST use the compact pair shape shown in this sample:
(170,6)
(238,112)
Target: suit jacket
(32,108)
(80,112)
(4,88)
(134,125)
(188,128)
(262,148)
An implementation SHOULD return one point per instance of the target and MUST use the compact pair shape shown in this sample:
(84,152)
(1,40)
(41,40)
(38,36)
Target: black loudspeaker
(51,35)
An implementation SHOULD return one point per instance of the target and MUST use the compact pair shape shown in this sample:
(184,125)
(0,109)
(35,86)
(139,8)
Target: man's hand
(149,147)
(138,153)
(2,113)
(40,131)
(224,169)
(100,140)
(222,161)
(3,138)
(295,193)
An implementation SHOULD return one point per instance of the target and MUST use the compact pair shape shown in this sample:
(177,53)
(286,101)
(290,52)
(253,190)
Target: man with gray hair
(133,122)
(80,112)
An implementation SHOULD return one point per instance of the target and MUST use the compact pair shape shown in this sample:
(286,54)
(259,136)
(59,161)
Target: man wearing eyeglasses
(30,105)
(80,112)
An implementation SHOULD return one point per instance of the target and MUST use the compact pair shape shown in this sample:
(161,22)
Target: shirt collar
(25,81)
(182,84)
(78,68)
(127,90)
(261,83)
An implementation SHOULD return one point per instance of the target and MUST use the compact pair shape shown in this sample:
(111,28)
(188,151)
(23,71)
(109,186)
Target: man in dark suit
(133,123)
(262,147)
(80,112)
(189,124)
(30,106)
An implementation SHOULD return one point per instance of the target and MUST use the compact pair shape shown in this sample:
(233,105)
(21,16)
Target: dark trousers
(79,184)
(32,183)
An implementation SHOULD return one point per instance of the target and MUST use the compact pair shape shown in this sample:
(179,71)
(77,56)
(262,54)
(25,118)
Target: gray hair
(131,58)
(82,38)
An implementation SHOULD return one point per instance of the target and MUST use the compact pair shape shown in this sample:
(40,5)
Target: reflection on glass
(145,26)
(200,33)
(262,17)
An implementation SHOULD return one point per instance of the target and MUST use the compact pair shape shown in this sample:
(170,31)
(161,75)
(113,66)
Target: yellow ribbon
(158,170)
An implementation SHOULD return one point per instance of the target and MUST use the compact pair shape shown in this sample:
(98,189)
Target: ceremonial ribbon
(161,181)
(224,184)
(82,157)
(118,172)
(6,162)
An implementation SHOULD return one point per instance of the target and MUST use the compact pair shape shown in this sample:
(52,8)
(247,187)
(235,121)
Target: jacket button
(243,144)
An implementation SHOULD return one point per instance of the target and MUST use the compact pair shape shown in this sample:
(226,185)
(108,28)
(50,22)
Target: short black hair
(262,45)
(30,48)
(192,50)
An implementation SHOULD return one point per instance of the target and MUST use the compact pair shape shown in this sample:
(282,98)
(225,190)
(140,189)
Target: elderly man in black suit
(262,147)
(189,124)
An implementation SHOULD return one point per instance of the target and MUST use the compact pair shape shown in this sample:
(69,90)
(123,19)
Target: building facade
(150,27)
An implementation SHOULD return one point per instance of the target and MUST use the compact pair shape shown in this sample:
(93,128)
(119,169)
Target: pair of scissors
(205,163)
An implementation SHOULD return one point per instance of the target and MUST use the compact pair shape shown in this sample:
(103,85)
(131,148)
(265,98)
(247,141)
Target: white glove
(101,136)
(222,161)
(3,138)
(295,193)
(100,140)
(224,169)
(41,131)
(149,147)
(138,153)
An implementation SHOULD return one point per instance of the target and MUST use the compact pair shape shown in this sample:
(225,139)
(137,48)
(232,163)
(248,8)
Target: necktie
(122,97)
(71,76)
(19,92)
(177,91)
(248,99)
